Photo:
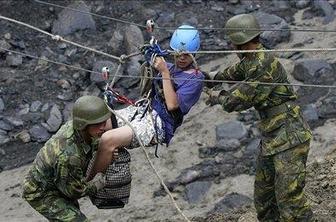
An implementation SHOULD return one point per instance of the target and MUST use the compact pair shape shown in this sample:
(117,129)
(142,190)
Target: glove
(99,181)
(213,98)
(150,51)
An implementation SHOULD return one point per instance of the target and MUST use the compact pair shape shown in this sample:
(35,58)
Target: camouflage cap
(89,110)
(242,28)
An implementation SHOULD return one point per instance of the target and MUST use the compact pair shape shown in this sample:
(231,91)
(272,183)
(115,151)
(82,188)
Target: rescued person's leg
(110,141)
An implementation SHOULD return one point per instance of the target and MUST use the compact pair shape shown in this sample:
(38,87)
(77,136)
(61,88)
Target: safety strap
(114,121)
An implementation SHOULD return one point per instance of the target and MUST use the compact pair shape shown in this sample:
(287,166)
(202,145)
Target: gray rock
(186,18)
(232,201)
(24,136)
(2,105)
(39,133)
(234,2)
(14,60)
(70,21)
(4,45)
(231,130)
(4,139)
(196,191)
(133,39)
(327,9)
(313,71)
(67,95)
(228,144)
(133,67)
(33,117)
(268,21)
(281,5)
(67,111)
(117,40)
(196,1)
(55,119)
(14,121)
(166,17)
(45,107)
(310,112)
(24,110)
(301,4)
(252,148)
(327,108)
(5,126)
(35,106)
(97,67)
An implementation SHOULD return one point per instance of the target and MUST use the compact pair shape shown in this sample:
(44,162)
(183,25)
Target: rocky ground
(210,164)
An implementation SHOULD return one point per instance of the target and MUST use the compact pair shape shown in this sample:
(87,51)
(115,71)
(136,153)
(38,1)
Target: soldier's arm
(246,95)
(70,178)
(231,73)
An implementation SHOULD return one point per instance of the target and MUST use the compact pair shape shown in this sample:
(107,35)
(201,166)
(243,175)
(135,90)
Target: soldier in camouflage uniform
(57,177)
(281,164)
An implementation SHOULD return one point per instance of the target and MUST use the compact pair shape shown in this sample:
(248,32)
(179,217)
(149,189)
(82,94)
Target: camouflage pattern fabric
(282,131)
(285,136)
(149,126)
(279,184)
(58,175)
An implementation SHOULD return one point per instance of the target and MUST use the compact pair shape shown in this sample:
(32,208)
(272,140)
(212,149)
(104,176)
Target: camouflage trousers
(279,183)
(52,204)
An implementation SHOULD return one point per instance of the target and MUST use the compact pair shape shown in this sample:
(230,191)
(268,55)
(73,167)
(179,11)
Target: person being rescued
(175,90)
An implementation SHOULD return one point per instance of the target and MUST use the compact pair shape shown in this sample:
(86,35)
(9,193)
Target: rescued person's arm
(168,88)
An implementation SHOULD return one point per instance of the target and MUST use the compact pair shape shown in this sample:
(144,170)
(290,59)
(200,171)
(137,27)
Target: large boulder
(70,21)
(268,21)
(313,71)
(232,201)
(196,191)
(39,133)
(231,130)
(327,10)
(133,39)
(54,121)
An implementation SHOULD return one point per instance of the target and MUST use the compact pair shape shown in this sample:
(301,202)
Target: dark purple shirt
(188,87)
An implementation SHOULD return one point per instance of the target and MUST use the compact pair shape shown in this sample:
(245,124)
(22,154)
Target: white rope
(144,77)
(59,38)
(263,28)
(151,164)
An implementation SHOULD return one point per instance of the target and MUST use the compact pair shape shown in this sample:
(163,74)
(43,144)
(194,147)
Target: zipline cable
(139,77)
(173,28)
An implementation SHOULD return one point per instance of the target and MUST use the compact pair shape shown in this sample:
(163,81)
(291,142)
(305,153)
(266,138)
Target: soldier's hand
(213,97)
(99,181)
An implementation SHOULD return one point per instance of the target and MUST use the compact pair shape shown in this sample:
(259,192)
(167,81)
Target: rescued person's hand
(99,181)
(160,65)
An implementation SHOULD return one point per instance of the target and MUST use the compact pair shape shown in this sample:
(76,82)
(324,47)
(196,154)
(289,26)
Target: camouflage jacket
(281,131)
(60,166)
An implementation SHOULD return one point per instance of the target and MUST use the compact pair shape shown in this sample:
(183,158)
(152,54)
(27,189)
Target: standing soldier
(281,164)
(56,179)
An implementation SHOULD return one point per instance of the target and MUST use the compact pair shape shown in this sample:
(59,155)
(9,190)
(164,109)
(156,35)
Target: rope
(265,50)
(90,13)
(173,28)
(138,77)
(151,164)
(122,58)
(59,38)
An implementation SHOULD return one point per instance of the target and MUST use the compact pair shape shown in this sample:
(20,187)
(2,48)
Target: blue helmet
(185,38)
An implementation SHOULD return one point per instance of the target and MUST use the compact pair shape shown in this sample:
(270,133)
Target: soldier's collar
(79,140)
(260,46)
